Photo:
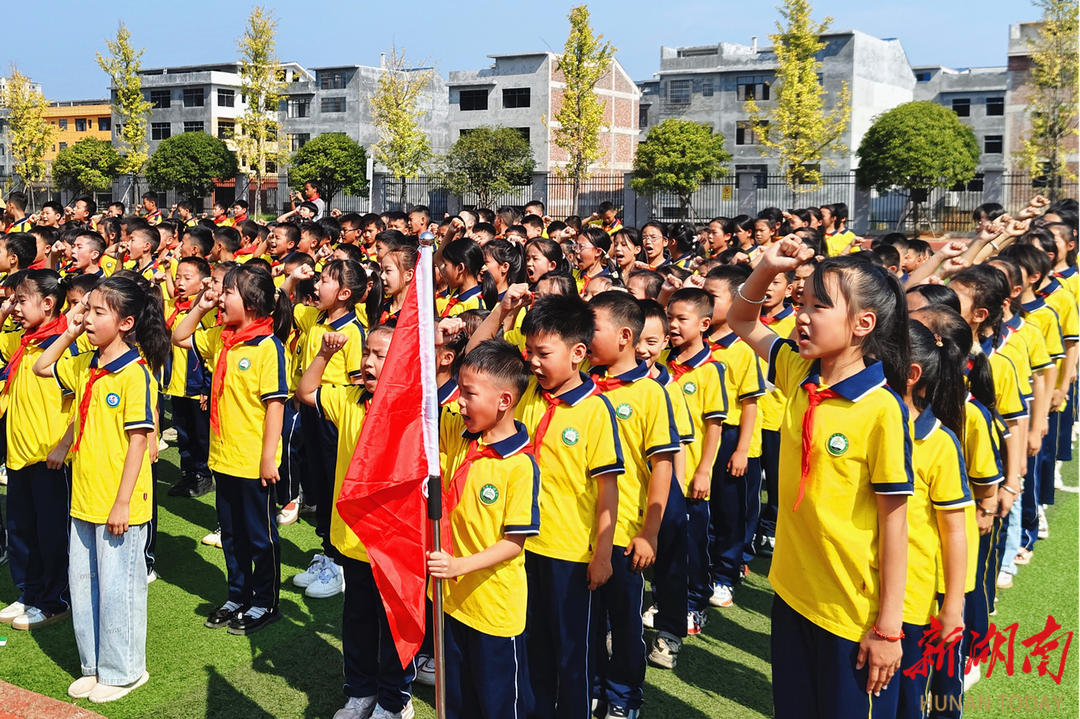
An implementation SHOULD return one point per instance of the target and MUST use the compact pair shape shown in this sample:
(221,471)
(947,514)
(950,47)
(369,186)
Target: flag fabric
(383,497)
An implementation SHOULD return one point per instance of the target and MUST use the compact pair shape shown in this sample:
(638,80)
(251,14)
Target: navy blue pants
(192,435)
(979,602)
(557,638)
(770,468)
(320,446)
(730,511)
(1049,451)
(291,469)
(150,548)
(1065,425)
(1029,499)
(753,507)
(39,508)
(912,699)
(486,676)
(371,663)
(814,674)
(249,538)
(670,568)
(698,575)
(616,607)
(946,698)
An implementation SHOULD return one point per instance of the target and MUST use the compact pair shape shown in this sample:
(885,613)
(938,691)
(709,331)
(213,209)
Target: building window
(226,98)
(63,145)
(707,88)
(516,97)
(62,124)
(298,140)
(993,145)
(922,77)
(160,130)
(679,92)
(962,106)
(333,104)
(524,132)
(995,106)
(104,124)
(473,100)
(748,133)
(193,97)
(3,150)
(643,117)
(80,124)
(300,108)
(331,80)
(194,126)
(753,88)
(161,99)
(465,131)
(226,130)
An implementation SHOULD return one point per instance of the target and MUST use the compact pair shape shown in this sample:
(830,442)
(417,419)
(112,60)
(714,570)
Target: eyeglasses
(576,247)
(652,237)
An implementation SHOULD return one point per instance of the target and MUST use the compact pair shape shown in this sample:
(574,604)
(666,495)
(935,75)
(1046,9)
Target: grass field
(293,669)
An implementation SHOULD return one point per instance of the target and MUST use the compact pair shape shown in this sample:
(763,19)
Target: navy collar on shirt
(783,314)
(633,375)
(694,362)
(447,391)
(662,375)
(129,357)
(364,397)
(1067,272)
(856,386)
(1036,304)
(726,341)
(987,346)
(1014,323)
(340,321)
(1051,287)
(468,294)
(505,447)
(573,397)
(925,424)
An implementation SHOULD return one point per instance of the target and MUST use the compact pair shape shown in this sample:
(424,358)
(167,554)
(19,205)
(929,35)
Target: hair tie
(937,339)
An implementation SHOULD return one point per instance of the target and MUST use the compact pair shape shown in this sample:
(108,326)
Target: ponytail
(374,300)
(128,297)
(255,285)
(941,355)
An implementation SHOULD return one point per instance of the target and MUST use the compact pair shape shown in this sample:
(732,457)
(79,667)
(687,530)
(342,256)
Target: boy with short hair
(220,215)
(86,253)
(150,207)
(197,241)
(419,219)
(606,218)
(15,216)
(239,211)
(226,244)
(839,239)
(141,247)
(17,252)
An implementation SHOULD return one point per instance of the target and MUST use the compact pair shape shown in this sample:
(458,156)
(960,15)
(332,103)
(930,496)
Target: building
(5,142)
(76,120)
(525,91)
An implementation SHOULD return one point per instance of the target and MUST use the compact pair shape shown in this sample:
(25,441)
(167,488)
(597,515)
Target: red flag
(382,498)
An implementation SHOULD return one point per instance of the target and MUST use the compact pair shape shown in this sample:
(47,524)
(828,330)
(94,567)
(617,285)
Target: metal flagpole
(435,515)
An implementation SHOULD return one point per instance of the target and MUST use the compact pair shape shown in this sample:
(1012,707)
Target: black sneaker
(180,489)
(202,485)
(221,617)
(244,624)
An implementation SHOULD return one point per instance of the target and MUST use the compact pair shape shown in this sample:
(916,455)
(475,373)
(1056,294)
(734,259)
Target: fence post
(994,186)
(635,208)
(540,189)
(377,189)
(860,212)
(746,185)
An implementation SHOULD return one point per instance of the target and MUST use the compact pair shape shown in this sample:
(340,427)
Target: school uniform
(771,411)
(23,225)
(1063,302)
(575,441)
(448,394)
(186,379)
(583,279)
(457,302)
(859,447)
(836,242)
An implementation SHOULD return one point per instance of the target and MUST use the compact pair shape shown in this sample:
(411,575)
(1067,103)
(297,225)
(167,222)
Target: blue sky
(57,47)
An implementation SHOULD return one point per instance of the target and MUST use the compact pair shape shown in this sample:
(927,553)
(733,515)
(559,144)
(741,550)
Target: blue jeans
(108,601)
(1013,539)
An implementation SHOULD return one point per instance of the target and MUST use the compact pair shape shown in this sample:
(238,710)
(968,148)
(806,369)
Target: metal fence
(1018,188)
(713,199)
(591,192)
(834,188)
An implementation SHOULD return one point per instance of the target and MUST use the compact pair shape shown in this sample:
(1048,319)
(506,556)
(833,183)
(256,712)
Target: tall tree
(189,163)
(29,135)
(88,166)
(576,131)
(797,128)
(334,160)
(489,161)
(259,141)
(1052,100)
(129,105)
(403,148)
(676,157)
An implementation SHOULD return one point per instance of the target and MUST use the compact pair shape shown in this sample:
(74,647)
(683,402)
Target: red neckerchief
(50,329)
(221,220)
(240,218)
(549,414)
(678,369)
(230,337)
(606,384)
(37,264)
(816,398)
(96,373)
(451,496)
(767,320)
(181,306)
(249,250)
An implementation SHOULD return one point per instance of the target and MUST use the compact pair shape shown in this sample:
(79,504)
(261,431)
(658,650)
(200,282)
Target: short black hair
(23,245)
(229,237)
(150,195)
(567,317)
(202,238)
(201,266)
(921,248)
(937,295)
(731,275)
(562,283)
(1030,258)
(625,311)
(653,309)
(890,256)
(533,221)
(501,362)
(700,301)
(654,281)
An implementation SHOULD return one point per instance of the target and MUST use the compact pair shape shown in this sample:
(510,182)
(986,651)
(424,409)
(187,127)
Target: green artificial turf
(293,668)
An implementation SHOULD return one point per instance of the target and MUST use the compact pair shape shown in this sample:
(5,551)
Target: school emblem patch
(489,494)
(112,399)
(244,364)
(837,444)
(570,436)
(623,411)
(689,388)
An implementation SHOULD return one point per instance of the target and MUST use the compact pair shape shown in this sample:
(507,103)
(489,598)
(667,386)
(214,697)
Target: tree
(88,166)
(129,105)
(258,139)
(797,128)
(916,146)
(189,163)
(403,148)
(489,161)
(29,135)
(335,161)
(1052,101)
(577,123)
(676,157)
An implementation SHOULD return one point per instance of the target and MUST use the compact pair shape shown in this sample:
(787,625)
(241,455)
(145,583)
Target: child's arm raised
(607,511)
(301,273)
(951,527)
(744,316)
(52,353)
(309,384)
(922,273)
(442,565)
(515,297)
(121,509)
(181,336)
(883,655)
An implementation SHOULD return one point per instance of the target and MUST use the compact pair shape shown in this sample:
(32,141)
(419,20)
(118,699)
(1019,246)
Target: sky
(59,52)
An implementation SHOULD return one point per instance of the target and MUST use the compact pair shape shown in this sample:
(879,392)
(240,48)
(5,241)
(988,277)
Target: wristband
(747,299)
(886,637)
(1010,490)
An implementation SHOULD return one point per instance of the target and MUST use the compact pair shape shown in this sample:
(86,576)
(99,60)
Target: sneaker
(162,445)
(622,713)
(151,577)
(647,617)
(169,435)
(406,712)
(103,693)
(180,488)
(1023,556)
(329,582)
(721,596)
(213,539)
(425,670)
(1004,580)
(308,510)
(202,485)
(695,622)
(8,613)
(34,618)
(288,513)
(665,651)
(81,687)
(765,546)
(305,578)
(1059,483)
(357,708)
(1044,525)
(3,557)
(245,624)
(972,677)
(3,475)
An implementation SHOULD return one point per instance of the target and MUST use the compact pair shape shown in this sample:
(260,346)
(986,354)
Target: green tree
(29,135)
(189,163)
(676,157)
(333,159)
(489,161)
(259,142)
(916,146)
(88,166)
(796,128)
(1052,100)
(129,106)
(576,130)
(403,148)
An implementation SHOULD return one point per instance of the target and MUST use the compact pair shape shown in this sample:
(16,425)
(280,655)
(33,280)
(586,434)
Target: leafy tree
(333,159)
(189,163)
(29,135)
(403,148)
(129,105)
(1052,101)
(577,123)
(677,156)
(489,161)
(916,146)
(88,166)
(258,139)
(797,128)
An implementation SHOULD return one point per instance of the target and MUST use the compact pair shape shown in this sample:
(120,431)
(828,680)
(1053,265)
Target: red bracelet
(886,637)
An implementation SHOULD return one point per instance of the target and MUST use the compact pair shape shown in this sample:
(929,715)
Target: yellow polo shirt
(38,414)
(771,405)
(346,364)
(706,398)
(346,407)
(458,302)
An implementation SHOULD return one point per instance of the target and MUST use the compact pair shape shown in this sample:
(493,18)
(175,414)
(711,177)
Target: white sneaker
(665,650)
(213,539)
(1004,580)
(721,596)
(425,670)
(3,475)
(169,434)
(8,613)
(406,713)
(151,577)
(1044,525)
(305,578)
(357,708)
(162,445)
(288,513)
(34,618)
(648,616)
(329,582)
(972,677)
(1058,481)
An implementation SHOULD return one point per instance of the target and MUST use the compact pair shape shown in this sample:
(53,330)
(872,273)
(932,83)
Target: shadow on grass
(57,642)
(722,677)
(724,629)
(180,564)
(224,701)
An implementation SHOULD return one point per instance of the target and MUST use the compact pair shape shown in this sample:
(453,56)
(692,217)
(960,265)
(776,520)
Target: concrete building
(525,91)
(76,120)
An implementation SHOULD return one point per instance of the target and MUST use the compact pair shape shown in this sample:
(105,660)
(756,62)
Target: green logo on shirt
(837,444)
(623,411)
(723,365)
(689,388)
(112,399)
(489,494)
(244,364)
(570,436)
